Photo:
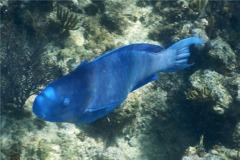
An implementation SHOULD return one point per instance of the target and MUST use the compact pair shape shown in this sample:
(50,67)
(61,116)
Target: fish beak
(38,107)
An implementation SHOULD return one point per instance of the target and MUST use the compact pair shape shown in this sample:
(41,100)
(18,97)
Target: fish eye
(66,101)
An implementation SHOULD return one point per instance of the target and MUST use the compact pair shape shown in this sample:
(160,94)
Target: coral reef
(192,114)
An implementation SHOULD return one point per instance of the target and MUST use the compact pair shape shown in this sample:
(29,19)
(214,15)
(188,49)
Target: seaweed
(92,9)
(68,20)
(197,149)
(24,67)
(199,6)
(14,152)
(203,95)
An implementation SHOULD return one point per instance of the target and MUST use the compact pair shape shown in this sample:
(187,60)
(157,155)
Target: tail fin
(181,49)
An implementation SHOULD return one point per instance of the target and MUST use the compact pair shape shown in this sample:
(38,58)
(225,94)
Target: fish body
(96,88)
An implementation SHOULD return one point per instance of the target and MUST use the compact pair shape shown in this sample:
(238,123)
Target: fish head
(60,101)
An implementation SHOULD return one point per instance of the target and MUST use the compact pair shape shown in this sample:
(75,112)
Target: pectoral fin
(145,81)
(109,107)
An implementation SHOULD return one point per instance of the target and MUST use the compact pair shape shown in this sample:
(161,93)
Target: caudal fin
(181,49)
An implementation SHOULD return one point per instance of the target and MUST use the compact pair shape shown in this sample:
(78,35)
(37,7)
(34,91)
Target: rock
(210,86)
(200,33)
(133,142)
(222,53)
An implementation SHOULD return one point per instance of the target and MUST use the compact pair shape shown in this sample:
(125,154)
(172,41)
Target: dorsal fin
(132,48)
(145,47)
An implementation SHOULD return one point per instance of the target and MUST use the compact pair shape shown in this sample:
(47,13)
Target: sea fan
(24,66)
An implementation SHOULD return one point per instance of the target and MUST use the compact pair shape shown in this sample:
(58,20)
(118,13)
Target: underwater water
(192,114)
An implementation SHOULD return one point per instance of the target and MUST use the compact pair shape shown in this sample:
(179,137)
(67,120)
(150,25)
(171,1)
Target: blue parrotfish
(96,88)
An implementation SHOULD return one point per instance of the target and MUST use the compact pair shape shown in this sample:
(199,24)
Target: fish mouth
(38,108)
(43,112)
(51,117)
(40,117)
